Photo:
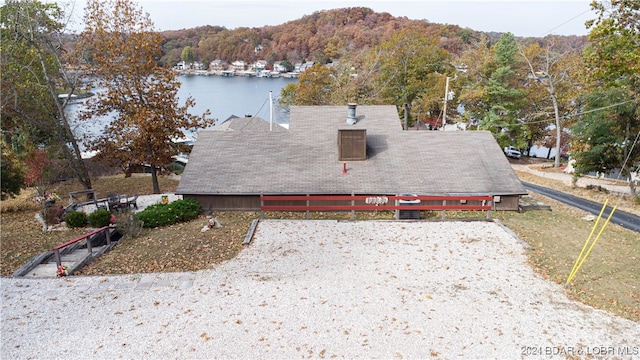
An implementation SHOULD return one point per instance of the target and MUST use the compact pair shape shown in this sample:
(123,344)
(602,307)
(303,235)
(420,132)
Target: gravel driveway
(321,289)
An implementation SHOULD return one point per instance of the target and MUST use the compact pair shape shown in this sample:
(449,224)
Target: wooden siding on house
(226,202)
(212,203)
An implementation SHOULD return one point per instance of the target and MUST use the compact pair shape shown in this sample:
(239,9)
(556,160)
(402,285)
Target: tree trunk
(77,165)
(625,153)
(548,82)
(558,127)
(154,179)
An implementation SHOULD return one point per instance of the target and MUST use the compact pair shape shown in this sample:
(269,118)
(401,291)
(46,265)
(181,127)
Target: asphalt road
(622,218)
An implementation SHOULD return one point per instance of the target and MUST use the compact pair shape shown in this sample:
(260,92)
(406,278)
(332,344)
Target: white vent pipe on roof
(351,114)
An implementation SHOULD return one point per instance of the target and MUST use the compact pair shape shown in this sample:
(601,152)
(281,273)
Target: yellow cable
(596,240)
(575,264)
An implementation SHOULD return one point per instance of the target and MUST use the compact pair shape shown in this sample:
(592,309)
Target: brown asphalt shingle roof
(250,124)
(304,159)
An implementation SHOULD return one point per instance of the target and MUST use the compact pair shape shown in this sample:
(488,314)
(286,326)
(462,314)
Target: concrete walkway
(143,201)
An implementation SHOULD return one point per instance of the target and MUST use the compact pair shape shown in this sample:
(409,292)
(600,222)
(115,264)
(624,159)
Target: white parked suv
(512,152)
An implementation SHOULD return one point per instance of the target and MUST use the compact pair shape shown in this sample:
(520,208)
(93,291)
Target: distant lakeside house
(258,68)
(196,65)
(232,165)
(238,65)
(218,65)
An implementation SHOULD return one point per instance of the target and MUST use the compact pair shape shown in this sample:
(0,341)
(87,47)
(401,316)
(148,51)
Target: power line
(261,107)
(565,117)
(597,109)
(624,164)
(566,22)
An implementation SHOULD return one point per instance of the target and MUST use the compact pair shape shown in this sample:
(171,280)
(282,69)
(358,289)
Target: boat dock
(246,73)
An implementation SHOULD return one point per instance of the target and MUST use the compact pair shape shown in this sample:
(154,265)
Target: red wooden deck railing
(377,202)
(56,249)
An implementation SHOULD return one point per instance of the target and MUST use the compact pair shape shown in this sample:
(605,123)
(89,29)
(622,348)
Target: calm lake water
(237,95)
(223,96)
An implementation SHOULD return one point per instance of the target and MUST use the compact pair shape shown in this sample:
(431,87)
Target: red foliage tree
(37,164)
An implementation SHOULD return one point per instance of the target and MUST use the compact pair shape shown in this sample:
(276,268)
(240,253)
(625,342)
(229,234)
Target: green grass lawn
(609,277)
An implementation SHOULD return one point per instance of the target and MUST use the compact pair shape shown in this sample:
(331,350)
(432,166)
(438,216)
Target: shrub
(154,215)
(99,218)
(76,219)
(129,225)
(185,210)
(597,188)
(176,167)
(167,214)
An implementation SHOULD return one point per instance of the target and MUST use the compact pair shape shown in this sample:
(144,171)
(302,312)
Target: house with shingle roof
(231,166)
(218,65)
(249,124)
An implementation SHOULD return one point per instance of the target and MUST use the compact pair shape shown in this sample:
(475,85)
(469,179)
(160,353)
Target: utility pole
(406,116)
(270,111)
(444,110)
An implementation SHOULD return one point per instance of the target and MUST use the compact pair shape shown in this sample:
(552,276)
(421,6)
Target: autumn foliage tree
(556,73)
(608,134)
(32,75)
(408,64)
(123,50)
(338,84)
(314,86)
(42,173)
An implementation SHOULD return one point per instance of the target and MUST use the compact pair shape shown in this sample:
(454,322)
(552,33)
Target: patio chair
(100,205)
(133,202)
(113,199)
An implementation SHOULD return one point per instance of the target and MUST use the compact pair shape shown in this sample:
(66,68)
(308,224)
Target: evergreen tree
(495,96)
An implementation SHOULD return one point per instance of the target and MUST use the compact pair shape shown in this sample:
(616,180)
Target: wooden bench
(89,194)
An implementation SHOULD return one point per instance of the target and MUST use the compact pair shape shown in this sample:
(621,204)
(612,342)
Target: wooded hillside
(322,36)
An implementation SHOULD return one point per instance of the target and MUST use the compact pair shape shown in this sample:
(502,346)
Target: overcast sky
(522,18)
